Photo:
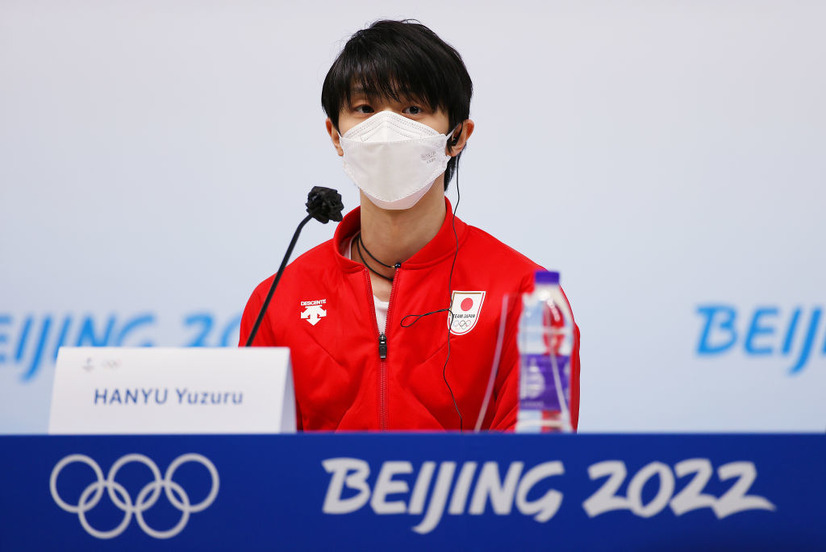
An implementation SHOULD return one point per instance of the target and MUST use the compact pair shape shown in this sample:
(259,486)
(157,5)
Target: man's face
(362,107)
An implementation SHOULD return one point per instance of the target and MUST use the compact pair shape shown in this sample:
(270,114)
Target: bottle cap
(546,277)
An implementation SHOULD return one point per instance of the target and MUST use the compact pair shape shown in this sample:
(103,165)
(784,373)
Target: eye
(363,108)
(413,110)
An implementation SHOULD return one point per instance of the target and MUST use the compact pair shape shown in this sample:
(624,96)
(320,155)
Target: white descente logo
(146,498)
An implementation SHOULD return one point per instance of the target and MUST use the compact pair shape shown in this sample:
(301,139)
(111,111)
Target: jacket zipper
(383,353)
(382,381)
(382,349)
(382,346)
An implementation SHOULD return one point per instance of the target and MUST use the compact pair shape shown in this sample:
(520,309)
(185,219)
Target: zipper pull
(382,346)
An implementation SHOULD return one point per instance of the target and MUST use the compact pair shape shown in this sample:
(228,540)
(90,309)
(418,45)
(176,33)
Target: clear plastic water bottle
(545,341)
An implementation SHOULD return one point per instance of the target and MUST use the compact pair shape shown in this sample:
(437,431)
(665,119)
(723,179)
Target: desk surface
(413,491)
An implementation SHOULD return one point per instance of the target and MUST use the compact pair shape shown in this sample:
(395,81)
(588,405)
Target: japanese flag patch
(466,307)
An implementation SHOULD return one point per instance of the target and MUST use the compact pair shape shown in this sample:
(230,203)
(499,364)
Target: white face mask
(393,160)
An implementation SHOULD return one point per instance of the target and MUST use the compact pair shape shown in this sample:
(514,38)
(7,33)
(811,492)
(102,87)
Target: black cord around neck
(359,245)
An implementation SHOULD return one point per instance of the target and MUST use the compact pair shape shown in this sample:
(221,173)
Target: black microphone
(324,205)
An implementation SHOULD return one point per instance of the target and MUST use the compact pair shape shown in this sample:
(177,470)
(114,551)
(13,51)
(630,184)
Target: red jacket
(323,311)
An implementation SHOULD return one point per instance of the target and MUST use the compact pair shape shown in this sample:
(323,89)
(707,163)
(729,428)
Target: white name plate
(112,390)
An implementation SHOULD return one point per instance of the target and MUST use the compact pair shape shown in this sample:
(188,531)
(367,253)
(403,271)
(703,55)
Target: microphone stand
(324,205)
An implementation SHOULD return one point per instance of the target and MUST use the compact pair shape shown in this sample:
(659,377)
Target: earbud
(457,133)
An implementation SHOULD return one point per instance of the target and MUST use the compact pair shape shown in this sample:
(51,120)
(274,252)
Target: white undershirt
(380,306)
(381,313)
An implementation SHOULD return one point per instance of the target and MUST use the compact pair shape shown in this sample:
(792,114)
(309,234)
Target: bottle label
(538,384)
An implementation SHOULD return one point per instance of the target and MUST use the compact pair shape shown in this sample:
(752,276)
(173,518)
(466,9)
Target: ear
(456,143)
(334,136)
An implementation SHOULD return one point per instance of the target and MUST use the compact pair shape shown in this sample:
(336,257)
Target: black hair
(396,59)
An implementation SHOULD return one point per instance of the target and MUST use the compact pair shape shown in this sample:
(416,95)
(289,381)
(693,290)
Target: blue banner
(413,492)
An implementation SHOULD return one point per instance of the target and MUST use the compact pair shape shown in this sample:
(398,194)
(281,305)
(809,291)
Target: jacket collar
(442,246)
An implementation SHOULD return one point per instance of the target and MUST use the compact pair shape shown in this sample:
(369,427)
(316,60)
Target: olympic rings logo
(146,498)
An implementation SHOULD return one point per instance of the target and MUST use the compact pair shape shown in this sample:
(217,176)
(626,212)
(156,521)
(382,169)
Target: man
(365,315)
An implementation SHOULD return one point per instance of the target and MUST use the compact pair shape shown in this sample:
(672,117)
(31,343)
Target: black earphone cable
(417,317)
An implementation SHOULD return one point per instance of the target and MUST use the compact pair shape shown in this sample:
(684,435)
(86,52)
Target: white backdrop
(668,158)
